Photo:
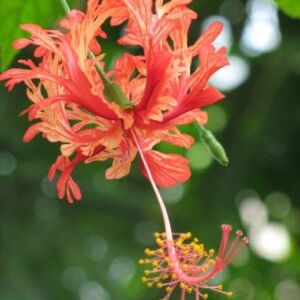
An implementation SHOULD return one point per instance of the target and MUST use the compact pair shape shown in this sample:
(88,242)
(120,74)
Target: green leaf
(16,12)
(290,7)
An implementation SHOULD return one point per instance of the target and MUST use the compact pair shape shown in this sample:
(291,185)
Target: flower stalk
(160,201)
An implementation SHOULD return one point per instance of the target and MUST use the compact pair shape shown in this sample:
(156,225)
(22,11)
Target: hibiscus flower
(97,115)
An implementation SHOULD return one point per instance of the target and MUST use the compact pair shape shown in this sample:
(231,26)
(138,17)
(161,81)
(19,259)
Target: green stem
(65,5)
(101,73)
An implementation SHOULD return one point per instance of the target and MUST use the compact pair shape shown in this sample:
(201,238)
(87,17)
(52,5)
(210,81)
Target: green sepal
(112,90)
(214,147)
(113,93)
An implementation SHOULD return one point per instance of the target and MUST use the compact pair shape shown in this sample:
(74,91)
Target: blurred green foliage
(16,12)
(88,251)
(290,7)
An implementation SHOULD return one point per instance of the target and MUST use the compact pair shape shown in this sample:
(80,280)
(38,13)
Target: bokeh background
(89,250)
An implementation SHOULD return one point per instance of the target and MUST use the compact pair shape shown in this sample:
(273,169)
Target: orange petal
(121,166)
(167,169)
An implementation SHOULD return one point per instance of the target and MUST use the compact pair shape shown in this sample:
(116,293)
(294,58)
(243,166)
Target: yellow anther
(188,235)
(229,294)
(147,251)
(185,267)
(166,276)
(147,272)
(220,287)
(159,285)
(178,244)
(168,289)
(205,296)
(211,261)
(147,261)
(159,242)
(205,268)
(160,251)
(211,252)
(155,263)
(164,235)
(156,235)
(141,261)
(150,284)
(167,259)
(196,240)
(174,276)
(182,237)
(182,285)
(144,279)
(171,265)
(189,290)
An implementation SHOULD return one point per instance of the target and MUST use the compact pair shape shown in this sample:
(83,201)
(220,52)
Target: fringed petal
(166,169)
(121,166)
(65,184)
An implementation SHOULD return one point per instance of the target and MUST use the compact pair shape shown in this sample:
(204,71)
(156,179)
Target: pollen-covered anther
(179,243)
(205,296)
(159,242)
(184,267)
(183,286)
(149,252)
(211,252)
(229,294)
(159,285)
(155,263)
(160,251)
(188,235)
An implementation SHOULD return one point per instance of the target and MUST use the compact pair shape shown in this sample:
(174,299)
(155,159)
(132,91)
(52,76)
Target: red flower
(94,120)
